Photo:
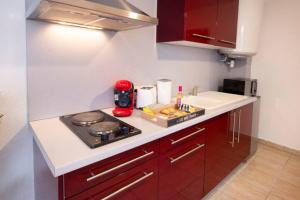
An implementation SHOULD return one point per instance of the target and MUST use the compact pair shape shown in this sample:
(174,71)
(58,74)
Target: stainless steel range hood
(117,15)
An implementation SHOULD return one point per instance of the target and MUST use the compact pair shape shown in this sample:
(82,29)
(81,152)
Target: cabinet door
(227,23)
(200,20)
(87,177)
(181,172)
(171,20)
(219,157)
(244,133)
(138,183)
(241,132)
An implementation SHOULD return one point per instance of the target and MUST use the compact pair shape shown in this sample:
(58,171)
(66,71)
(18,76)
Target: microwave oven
(242,86)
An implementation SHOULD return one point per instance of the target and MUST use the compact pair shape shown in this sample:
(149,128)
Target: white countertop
(65,152)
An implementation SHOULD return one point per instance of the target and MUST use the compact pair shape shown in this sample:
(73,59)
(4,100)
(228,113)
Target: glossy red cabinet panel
(209,22)
(228,142)
(219,159)
(200,20)
(82,179)
(138,183)
(242,144)
(181,171)
(181,137)
(171,20)
(227,23)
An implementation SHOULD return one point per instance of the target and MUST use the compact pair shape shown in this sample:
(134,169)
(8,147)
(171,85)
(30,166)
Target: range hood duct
(116,15)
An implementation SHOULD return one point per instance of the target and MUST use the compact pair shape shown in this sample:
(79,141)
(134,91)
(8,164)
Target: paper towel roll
(164,91)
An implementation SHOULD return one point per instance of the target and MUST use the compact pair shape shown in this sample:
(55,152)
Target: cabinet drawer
(138,183)
(177,139)
(182,171)
(87,177)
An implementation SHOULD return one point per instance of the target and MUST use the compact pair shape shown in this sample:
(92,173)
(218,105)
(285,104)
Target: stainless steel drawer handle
(203,36)
(187,136)
(233,131)
(227,42)
(199,146)
(120,166)
(239,132)
(146,175)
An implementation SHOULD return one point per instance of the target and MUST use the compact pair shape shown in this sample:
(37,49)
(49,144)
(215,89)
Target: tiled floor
(271,174)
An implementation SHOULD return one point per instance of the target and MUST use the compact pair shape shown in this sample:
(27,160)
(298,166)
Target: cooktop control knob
(125,130)
(104,137)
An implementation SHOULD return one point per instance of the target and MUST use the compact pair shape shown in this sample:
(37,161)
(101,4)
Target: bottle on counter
(179,96)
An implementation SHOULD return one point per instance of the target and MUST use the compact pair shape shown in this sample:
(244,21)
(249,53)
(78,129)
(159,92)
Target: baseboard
(279,147)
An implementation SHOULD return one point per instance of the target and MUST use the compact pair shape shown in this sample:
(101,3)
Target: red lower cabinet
(219,159)
(139,183)
(242,119)
(87,177)
(228,143)
(132,175)
(185,165)
(181,171)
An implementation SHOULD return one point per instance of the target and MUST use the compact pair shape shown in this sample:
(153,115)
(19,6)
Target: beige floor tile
(273,155)
(258,178)
(286,190)
(273,197)
(240,188)
(291,172)
(294,161)
(222,196)
(266,166)
(213,196)
(288,176)
(296,153)
(271,174)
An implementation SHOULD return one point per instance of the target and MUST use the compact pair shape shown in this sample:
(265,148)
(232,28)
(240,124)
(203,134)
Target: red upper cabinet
(171,20)
(227,23)
(198,22)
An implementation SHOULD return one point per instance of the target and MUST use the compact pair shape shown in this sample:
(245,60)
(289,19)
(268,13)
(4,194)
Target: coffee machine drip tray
(97,128)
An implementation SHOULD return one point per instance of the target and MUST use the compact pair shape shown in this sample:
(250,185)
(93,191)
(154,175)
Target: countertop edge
(60,170)
(45,155)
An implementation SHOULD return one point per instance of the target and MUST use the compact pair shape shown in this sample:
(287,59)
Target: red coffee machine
(124,99)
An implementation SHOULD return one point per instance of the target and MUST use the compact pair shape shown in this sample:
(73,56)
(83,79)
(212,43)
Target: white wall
(74,69)
(16,162)
(277,66)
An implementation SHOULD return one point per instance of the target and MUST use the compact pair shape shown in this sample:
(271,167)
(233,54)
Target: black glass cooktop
(97,128)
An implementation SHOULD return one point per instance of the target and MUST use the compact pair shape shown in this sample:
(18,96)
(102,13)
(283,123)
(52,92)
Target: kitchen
(72,70)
